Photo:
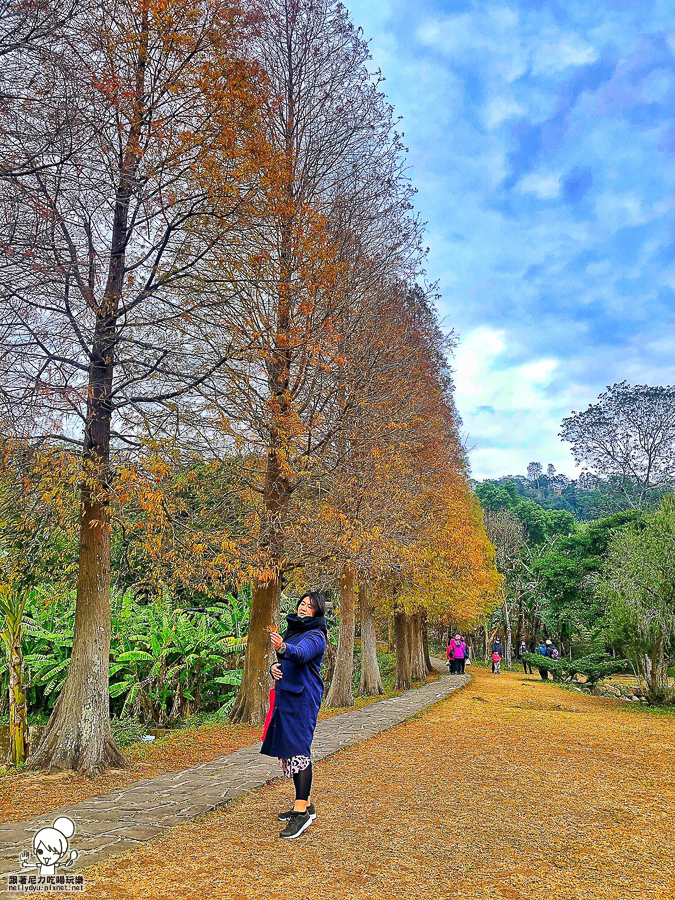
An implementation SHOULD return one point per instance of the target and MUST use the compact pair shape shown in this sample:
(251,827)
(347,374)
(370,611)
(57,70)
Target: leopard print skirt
(294,764)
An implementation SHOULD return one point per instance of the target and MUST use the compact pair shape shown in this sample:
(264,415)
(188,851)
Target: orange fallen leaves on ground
(509,788)
(27,794)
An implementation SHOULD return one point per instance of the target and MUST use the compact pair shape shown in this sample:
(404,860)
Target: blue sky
(542,142)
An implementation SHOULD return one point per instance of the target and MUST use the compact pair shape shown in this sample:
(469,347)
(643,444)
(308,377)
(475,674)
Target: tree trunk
(425,644)
(658,672)
(17,702)
(418,666)
(370,682)
(340,691)
(520,631)
(78,735)
(330,660)
(508,646)
(402,629)
(252,703)
(391,638)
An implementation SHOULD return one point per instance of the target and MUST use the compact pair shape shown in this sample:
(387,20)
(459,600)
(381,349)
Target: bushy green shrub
(166,661)
(597,667)
(127,731)
(594,667)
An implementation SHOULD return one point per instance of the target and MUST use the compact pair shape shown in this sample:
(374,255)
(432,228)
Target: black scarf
(298,625)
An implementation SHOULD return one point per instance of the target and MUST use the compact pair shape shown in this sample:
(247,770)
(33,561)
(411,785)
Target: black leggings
(303,783)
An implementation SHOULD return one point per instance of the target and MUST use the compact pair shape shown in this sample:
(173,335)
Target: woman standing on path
(458,655)
(450,656)
(297,698)
(462,662)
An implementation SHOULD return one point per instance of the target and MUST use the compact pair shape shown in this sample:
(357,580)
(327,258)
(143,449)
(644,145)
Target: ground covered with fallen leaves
(27,794)
(509,788)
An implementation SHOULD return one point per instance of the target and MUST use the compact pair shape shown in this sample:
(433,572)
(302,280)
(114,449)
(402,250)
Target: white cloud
(494,30)
(554,56)
(619,210)
(501,33)
(499,109)
(480,377)
(511,411)
(546,187)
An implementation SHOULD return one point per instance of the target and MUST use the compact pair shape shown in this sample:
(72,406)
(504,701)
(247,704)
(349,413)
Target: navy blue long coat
(298,696)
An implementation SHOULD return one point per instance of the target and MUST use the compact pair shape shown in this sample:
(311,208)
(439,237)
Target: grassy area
(625,684)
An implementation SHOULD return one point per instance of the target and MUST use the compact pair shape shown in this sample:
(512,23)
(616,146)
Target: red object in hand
(270,712)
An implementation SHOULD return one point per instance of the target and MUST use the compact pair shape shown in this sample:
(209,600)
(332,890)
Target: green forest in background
(589,562)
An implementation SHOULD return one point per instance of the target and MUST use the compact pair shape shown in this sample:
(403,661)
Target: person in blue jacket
(541,651)
(297,698)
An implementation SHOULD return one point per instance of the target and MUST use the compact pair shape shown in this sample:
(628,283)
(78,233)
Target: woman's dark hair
(317,600)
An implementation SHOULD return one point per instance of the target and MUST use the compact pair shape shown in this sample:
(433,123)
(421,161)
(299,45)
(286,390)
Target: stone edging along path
(118,821)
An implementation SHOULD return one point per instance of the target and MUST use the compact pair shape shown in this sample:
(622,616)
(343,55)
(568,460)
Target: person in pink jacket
(456,653)
(450,656)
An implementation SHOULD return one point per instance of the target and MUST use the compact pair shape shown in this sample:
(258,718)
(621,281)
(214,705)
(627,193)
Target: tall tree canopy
(131,158)
(629,436)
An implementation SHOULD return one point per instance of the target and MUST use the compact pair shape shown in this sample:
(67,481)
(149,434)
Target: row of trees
(586,497)
(218,364)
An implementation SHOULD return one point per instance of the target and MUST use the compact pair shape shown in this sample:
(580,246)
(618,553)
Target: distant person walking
(295,705)
(450,659)
(496,663)
(457,655)
(465,658)
(497,648)
(541,651)
(552,650)
(522,650)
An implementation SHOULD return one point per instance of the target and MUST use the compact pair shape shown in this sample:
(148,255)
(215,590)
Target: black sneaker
(297,823)
(284,817)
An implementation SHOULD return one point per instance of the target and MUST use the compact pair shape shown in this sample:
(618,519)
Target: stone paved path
(123,819)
